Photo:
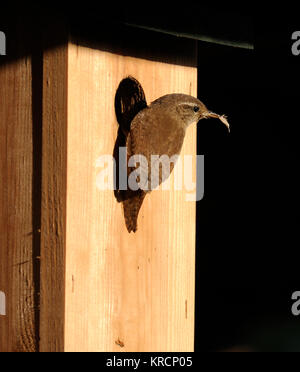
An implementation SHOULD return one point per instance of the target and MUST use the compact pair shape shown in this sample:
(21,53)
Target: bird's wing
(149,138)
(164,162)
(139,144)
(133,199)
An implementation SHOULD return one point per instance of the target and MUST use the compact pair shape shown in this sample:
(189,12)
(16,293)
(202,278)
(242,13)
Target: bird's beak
(223,118)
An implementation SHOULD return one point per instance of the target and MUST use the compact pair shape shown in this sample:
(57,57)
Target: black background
(248,222)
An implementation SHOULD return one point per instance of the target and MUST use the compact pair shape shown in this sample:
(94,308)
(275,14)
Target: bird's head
(189,109)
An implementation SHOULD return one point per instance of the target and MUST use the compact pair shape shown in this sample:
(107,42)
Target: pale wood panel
(134,288)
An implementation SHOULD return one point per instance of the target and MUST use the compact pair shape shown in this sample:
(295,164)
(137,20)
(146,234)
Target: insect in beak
(222,118)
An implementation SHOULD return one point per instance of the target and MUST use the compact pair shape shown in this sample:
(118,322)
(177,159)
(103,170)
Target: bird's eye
(196,108)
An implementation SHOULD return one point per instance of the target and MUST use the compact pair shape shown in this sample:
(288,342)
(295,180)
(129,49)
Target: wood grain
(101,289)
(124,292)
(54,165)
(17,328)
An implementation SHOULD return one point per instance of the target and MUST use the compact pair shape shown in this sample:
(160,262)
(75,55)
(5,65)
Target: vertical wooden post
(54,165)
(124,292)
(101,289)
(18,223)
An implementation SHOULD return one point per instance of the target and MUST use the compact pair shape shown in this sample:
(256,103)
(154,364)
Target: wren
(159,129)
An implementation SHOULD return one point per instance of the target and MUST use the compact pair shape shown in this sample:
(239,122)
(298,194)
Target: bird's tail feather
(131,207)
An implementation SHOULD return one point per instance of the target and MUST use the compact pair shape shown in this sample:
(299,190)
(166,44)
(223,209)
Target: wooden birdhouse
(72,278)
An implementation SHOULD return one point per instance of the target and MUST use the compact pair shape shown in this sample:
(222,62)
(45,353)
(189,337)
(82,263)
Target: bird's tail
(131,207)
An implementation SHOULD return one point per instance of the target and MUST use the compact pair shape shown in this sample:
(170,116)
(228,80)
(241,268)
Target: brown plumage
(159,129)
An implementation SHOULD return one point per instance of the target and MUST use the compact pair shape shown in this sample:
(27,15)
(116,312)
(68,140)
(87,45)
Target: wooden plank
(17,235)
(101,289)
(124,292)
(54,166)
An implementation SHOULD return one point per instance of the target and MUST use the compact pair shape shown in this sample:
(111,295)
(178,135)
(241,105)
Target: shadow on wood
(129,100)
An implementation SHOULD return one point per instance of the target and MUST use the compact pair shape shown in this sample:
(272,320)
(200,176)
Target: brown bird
(159,129)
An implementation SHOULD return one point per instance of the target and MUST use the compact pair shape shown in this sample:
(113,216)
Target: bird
(158,129)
